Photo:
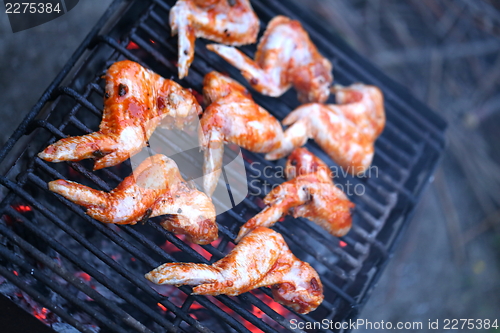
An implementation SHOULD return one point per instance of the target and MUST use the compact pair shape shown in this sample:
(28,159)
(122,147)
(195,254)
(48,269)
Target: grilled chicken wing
(136,101)
(155,188)
(285,56)
(261,259)
(310,193)
(231,22)
(347,131)
(232,116)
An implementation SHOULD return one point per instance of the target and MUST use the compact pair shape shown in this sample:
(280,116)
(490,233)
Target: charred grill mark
(160,102)
(315,285)
(106,94)
(122,90)
(231,2)
(146,216)
(179,211)
(254,81)
(99,153)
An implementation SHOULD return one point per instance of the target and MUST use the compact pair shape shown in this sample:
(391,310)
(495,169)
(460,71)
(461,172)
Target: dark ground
(447,54)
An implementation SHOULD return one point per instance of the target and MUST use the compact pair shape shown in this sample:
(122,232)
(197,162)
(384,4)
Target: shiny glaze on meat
(136,101)
(230,22)
(285,56)
(155,188)
(345,131)
(232,116)
(309,192)
(261,259)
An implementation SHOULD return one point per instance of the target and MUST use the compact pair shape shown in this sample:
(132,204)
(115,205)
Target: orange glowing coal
(41,314)
(278,308)
(196,306)
(169,247)
(162,307)
(216,242)
(201,251)
(132,46)
(83,276)
(22,208)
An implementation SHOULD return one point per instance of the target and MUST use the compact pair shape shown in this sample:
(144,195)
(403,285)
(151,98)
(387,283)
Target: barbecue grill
(69,270)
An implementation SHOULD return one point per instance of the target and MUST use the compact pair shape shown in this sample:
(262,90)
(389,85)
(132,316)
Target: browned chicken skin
(230,22)
(285,56)
(136,101)
(261,259)
(232,116)
(345,131)
(155,188)
(310,193)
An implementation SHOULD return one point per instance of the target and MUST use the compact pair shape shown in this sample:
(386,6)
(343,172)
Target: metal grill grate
(52,250)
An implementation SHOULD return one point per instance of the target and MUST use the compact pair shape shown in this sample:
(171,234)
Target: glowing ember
(15,273)
(162,307)
(41,314)
(169,247)
(152,41)
(132,259)
(132,46)
(342,244)
(196,306)
(201,250)
(216,242)
(271,303)
(83,276)
(197,95)
(22,208)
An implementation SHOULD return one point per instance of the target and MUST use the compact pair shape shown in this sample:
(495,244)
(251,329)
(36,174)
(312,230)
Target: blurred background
(447,53)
